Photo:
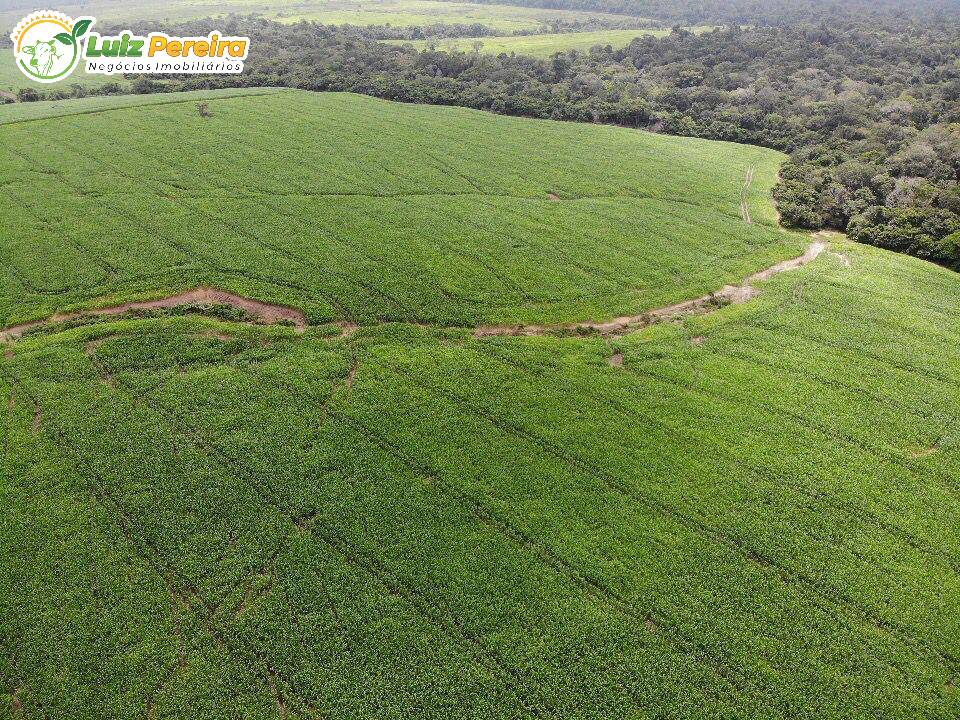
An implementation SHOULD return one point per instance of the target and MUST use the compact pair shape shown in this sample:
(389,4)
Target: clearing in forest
(543,45)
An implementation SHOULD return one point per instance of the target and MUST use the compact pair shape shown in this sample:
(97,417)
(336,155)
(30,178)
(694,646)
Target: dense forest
(867,107)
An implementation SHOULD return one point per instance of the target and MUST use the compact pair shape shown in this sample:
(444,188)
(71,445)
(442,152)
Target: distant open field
(11,78)
(358,12)
(27,112)
(378,509)
(543,45)
(398,13)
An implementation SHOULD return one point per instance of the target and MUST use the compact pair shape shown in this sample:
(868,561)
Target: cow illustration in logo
(43,55)
(47,45)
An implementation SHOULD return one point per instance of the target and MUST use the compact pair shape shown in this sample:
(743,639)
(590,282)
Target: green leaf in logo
(64,38)
(81,27)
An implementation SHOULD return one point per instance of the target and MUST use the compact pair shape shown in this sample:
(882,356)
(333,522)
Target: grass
(426,12)
(753,517)
(332,12)
(11,79)
(542,45)
(28,112)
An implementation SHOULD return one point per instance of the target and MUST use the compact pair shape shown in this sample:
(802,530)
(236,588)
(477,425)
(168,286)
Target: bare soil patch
(616,360)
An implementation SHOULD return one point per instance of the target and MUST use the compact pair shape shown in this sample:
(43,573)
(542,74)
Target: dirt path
(727,295)
(744,195)
(201,297)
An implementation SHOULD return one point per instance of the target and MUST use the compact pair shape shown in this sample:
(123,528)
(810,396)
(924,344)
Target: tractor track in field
(442,619)
(177,582)
(865,516)
(744,193)
(828,598)
(206,297)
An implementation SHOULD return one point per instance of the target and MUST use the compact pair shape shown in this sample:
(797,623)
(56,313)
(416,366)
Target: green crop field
(245,200)
(333,12)
(542,45)
(747,513)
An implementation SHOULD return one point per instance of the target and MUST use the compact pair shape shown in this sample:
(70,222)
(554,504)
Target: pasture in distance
(542,45)
(750,512)
(399,13)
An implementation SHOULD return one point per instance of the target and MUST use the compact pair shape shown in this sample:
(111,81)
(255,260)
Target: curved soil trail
(267,313)
(727,295)
(744,205)
(200,297)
